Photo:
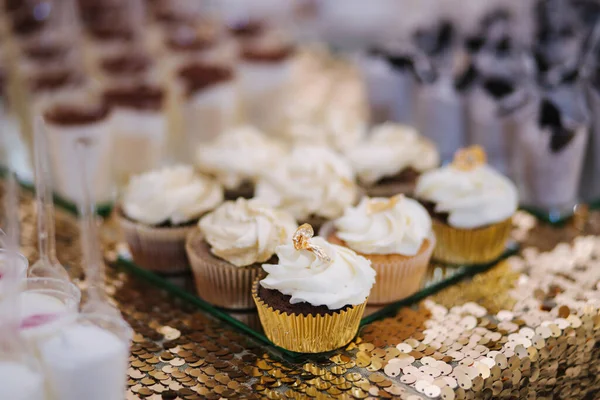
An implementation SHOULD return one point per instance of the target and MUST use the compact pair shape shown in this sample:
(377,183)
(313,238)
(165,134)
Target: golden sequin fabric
(525,329)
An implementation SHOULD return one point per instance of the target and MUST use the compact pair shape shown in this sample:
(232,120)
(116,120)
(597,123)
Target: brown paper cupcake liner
(470,246)
(218,281)
(308,333)
(398,276)
(156,249)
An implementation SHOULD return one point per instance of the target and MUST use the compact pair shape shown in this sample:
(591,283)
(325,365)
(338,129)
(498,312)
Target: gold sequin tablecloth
(525,329)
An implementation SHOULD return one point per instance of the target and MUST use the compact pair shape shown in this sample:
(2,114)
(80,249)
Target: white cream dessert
(174,195)
(42,316)
(390,149)
(385,226)
(472,196)
(239,156)
(265,70)
(19,382)
(85,362)
(67,123)
(334,276)
(311,181)
(139,126)
(208,104)
(246,232)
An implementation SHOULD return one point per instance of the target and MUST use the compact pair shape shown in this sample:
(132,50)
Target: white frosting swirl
(245,232)
(389,149)
(312,180)
(472,198)
(173,194)
(345,280)
(400,227)
(241,154)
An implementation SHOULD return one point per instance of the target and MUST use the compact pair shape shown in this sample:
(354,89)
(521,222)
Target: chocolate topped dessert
(54,79)
(108,32)
(45,52)
(131,63)
(188,39)
(25,24)
(199,76)
(139,97)
(73,114)
(267,55)
(247,30)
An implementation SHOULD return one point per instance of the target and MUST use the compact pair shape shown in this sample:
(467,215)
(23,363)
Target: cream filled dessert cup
(265,70)
(390,159)
(67,122)
(237,158)
(138,125)
(471,206)
(395,234)
(207,96)
(159,209)
(313,183)
(229,246)
(312,300)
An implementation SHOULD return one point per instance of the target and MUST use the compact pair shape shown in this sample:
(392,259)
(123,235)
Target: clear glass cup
(47,305)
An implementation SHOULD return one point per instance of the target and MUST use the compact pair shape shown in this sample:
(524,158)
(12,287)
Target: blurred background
(519,77)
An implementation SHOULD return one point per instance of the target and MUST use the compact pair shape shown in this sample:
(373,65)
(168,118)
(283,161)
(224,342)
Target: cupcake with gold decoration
(229,246)
(312,300)
(395,235)
(471,206)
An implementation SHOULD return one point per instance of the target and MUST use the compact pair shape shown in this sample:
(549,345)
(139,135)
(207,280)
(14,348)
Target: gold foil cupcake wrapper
(156,249)
(218,281)
(470,246)
(308,333)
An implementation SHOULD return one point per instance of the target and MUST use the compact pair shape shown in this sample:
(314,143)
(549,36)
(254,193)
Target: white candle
(85,362)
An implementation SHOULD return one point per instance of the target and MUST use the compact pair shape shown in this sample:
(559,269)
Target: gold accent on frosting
(469,158)
(375,206)
(301,241)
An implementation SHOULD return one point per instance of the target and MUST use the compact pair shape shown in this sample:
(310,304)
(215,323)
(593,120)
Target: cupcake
(237,158)
(391,158)
(158,211)
(471,206)
(312,300)
(227,250)
(395,235)
(313,183)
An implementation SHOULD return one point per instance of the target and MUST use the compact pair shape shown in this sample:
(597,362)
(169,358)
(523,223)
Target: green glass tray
(438,277)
